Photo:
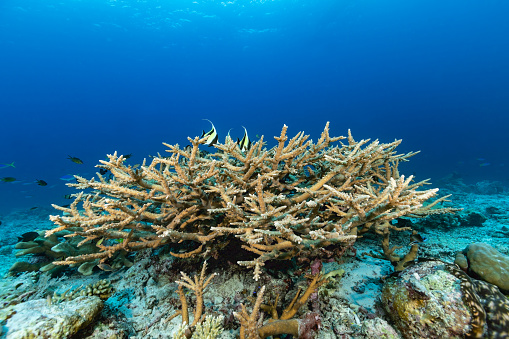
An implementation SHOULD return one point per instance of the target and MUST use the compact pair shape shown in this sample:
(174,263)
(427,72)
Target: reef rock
(481,260)
(39,319)
(434,299)
(427,301)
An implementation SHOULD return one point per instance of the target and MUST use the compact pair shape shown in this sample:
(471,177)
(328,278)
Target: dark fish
(66,206)
(210,135)
(41,182)
(28,236)
(0,223)
(67,196)
(417,238)
(103,171)
(75,160)
(127,156)
(33,208)
(245,143)
(7,179)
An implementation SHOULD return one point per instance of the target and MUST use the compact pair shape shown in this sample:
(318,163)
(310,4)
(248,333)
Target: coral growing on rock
(288,201)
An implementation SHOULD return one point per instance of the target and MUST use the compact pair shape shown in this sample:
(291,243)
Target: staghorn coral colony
(289,201)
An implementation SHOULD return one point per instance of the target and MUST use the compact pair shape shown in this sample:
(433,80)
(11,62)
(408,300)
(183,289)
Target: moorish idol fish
(245,143)
(210,135)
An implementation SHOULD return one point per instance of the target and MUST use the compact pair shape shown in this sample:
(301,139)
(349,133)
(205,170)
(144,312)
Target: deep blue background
(86,78)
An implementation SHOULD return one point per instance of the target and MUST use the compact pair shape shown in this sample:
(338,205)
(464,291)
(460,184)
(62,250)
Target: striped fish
(210,135)
(245,143)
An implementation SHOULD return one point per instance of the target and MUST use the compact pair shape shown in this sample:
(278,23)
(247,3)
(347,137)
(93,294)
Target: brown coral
(286,201)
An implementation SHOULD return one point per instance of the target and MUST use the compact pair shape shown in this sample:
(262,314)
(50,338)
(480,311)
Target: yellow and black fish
(210,135)
(75,160)
(41,182)
(245,143)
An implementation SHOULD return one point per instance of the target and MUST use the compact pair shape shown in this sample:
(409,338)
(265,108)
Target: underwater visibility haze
(87,78)
(83,79)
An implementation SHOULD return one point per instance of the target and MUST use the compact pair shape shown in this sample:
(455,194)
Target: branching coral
(287,201)
(252,325)
(198,286)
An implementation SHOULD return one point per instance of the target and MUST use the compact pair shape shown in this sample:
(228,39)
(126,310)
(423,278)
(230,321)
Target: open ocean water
(83,79)
(87,78)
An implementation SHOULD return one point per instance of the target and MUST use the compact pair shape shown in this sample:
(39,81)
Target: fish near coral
(28,236)
(245,143)
(211,135)
(417,238)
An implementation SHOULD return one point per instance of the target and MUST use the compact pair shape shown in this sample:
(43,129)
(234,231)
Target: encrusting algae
(291,200)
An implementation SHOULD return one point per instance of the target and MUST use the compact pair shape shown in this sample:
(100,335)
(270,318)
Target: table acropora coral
(291,200)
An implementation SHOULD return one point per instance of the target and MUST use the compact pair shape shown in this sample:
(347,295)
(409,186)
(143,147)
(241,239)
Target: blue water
(87,78)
